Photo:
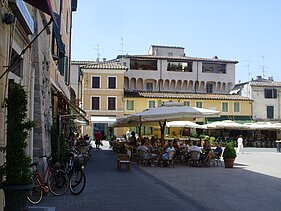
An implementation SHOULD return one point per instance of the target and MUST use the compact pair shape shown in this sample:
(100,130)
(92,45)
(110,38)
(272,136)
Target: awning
(46,7)
(79,113)
(103,119)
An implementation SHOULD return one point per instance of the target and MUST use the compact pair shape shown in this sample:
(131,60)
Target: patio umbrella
(168,111)
(188,124)
(226,124)
(263,126)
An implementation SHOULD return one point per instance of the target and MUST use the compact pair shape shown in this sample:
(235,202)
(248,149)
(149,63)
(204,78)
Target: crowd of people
(152,149)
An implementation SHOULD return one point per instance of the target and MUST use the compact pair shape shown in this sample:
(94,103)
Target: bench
(123,160)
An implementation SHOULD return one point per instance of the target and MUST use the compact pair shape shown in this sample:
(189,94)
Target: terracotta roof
(179,95)
(266,83)
(105,65)
(183,58)
(81,62)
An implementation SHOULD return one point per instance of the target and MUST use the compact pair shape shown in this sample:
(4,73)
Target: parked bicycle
(53,180)
(74,170)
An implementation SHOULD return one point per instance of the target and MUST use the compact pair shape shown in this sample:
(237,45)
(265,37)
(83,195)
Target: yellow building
(102,95)
(232,107)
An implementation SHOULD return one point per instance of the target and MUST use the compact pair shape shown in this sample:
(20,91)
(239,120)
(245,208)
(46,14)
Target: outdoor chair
(216,160)
(143,159)
(123,160)
(170,160)
(194,159)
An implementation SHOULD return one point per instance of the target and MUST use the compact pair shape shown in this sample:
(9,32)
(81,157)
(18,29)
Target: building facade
(102,95)
(265,94)
(167,68)
(35,49)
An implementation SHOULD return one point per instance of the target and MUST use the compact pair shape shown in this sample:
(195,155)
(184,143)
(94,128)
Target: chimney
(270,78)
(259,78)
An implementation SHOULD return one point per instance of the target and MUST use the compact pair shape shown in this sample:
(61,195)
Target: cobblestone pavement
(253,184)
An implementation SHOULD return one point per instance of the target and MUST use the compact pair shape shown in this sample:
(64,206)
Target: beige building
(102,94)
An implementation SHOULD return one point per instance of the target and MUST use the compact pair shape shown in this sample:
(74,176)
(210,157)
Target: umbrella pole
(140,131)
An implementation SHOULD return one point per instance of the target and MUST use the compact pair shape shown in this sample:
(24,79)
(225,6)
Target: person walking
(240,145)
(98,138)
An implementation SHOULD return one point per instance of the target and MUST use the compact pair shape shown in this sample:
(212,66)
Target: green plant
(17,168)
(229,151)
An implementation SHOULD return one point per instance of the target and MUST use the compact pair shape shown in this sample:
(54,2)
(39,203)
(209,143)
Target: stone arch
(126,83)
(139,84)
(133,84)
(173,85)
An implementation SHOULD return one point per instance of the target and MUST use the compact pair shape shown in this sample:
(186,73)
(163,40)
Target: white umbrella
(263,126)
(226,124)
(168,111)
(188,124)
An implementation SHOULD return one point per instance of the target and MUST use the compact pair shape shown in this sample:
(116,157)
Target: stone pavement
(253,184)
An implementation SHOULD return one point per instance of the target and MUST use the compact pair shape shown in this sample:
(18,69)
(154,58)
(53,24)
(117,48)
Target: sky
(247,31)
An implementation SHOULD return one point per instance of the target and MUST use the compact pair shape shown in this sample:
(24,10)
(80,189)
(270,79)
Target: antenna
(248,67)
(263,67)
(98,52)
(122,45)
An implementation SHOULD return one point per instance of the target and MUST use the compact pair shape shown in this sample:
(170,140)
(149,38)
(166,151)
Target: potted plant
(18,176)
(229,155)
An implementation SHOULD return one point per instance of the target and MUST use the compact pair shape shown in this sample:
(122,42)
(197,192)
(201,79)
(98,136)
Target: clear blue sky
(248,31)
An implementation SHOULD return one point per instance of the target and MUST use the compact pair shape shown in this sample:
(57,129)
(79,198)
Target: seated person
(176,145)
(144,147)
(195,148)
(218,151)
(165,154)
(207,153)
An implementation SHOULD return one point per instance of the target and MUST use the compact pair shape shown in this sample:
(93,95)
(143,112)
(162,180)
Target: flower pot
(15,196)
(228,162)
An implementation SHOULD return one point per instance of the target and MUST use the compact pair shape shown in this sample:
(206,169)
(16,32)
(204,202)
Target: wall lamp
(9,18)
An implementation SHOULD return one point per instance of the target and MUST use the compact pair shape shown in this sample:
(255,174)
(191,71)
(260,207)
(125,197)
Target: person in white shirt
(194,147)
(240,145)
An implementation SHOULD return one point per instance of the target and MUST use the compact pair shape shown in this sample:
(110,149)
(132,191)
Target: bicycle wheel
(58,182)
(77,181)
(35,194)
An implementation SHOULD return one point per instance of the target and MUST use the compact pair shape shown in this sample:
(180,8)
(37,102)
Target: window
(149,86)
(199,104)
(111,82)
(270,93)
(95,103)
(111,103)
(125,64)
(269,112)
(208,67)
(151,104)
(186,103)
(17,67)
(236,107)
(143,64)
(179,66)
(130,105)
(209,88)
(95,82)
(170,54)
(224,107)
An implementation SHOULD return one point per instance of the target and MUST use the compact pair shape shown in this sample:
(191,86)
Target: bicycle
(74,170)
(54,180)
